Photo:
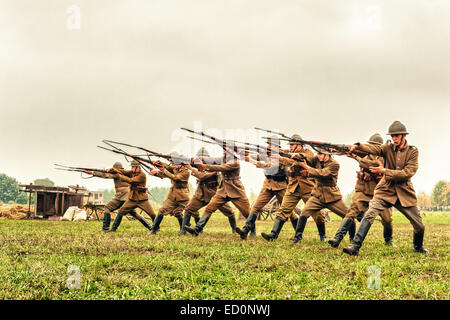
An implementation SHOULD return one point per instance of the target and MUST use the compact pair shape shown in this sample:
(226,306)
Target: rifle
(143,162)
(274,132)
(78,169)
(218,141)
(175,159)
(332,148)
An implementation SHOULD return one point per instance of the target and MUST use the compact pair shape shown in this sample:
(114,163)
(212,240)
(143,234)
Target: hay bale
(14,211)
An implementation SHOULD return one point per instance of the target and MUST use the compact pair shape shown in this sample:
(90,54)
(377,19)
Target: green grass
(131,264)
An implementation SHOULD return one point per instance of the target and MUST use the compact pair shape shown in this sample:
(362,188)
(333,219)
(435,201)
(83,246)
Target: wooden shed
(51,201)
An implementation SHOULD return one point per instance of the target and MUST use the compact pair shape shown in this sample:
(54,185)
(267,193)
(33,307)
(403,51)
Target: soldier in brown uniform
(178,196)
(364,189)
(299,188)
(207,183)
(137,197)
(122,189)
(230,188)
(326,193)
(274,185)
(395,188)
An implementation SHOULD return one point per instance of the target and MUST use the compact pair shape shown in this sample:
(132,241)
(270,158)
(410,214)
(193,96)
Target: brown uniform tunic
(178,196)
(364,189)
(230,188)
(206,189)
(395,188)
(299,188)
(137,197)
(326,193)
(122,190)
(274,185)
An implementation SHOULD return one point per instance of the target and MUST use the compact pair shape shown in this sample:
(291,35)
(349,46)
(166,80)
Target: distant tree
(438,196)
(44,182)
(446,194)
(10,190)
(423,199)
(348,198)
(108,195)
(159,194)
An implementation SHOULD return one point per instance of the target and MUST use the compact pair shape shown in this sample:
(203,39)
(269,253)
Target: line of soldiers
(382,182)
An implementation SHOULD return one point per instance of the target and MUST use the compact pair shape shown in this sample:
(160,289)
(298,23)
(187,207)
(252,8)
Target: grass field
(131,264)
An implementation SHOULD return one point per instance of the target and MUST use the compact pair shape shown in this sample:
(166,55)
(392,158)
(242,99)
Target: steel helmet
(397,128)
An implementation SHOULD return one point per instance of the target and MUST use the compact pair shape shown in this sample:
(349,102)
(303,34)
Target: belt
(329,184)
(122,188)
(277,178)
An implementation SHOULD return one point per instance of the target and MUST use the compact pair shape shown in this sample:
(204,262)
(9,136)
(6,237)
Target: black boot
(180,223)
(294,223)
(352,231)
(106,221)
(156,223)
(387,234)
(321,228)
(418,242)
(277,225)
(340,234)
(232,221)
(249,225)
(299,229)
(364,227)
(253,232)
(116,223)
(186,223)
(199,226)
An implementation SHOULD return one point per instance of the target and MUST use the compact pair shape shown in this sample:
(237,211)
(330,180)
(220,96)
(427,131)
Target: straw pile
(13,211)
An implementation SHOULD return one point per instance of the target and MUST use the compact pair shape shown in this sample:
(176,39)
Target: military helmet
(295,137)
(202,152)
(397,128)
(117,165)
(135,163)
(376,139)
(173,156)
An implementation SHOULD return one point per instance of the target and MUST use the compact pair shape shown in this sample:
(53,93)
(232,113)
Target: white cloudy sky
(136,71)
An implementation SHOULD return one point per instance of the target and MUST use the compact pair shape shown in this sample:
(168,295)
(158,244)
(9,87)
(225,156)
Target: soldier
(364,188)
(178,196)
(230,188)
(137,197)
(299,188)
(207,182)
(395,188)
(274,185)
(326,193)
(122,189)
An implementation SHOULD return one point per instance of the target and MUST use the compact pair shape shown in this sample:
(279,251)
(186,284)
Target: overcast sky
(136,71)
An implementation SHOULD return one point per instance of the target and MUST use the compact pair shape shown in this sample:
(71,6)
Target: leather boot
(141,220)
(106,221)
(340,234)
(418,242)
(156,223)
(232,221)
(247,227)
(387,234)
(299,229)
(294,223)
(186,222)
(180,222)
(199,226)
(352,231)
(116,223)
(364,227)
(322,232)
(277,226)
